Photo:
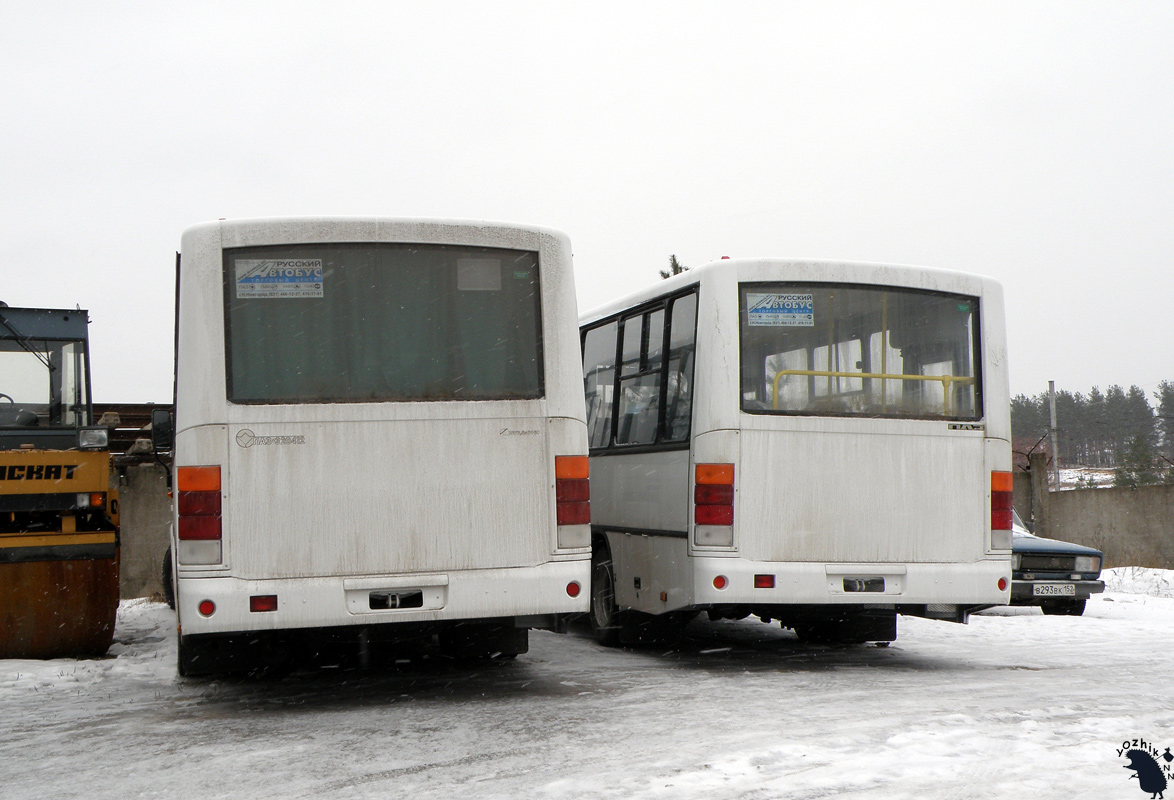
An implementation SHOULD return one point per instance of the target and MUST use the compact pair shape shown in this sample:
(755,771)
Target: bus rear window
(843,350)
(382,322)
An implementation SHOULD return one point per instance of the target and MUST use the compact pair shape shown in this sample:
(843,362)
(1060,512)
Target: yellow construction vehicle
(59,548)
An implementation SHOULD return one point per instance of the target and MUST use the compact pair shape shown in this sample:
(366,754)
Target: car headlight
(1088,564)
(93,438)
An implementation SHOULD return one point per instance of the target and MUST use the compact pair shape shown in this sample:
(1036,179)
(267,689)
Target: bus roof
(802,269)
(362,228)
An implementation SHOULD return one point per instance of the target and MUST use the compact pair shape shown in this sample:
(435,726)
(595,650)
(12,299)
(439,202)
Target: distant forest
(1118,429)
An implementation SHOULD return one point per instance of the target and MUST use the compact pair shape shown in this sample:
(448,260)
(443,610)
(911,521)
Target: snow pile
(1140,580)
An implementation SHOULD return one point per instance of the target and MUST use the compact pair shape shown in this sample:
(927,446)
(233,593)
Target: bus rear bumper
(527,594)
(981,583)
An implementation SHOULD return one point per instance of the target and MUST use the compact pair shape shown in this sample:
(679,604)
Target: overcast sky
(1029,141)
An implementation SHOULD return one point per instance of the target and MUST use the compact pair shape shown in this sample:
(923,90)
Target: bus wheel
(168,583)
(605,617)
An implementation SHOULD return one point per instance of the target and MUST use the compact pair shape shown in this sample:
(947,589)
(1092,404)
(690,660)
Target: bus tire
(168,579)
(605,616)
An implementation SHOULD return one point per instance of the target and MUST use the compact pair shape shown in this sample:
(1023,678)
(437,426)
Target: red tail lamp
(573,589)
(1002,494)
(263,602)
(198,502)
(572,490)
(713,494)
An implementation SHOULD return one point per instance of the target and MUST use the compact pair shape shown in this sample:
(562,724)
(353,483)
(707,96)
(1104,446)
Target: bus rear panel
(373,420)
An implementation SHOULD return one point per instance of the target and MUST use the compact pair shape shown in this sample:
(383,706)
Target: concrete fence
(146,519)
(1133,527)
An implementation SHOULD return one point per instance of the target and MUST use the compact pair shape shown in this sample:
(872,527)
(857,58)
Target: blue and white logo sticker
(278,277)
(780,310)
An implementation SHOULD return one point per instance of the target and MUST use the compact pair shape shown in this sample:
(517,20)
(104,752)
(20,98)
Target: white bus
(823,444)
(379,434)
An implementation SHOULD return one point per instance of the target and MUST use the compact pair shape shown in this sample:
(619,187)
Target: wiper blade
(23,341)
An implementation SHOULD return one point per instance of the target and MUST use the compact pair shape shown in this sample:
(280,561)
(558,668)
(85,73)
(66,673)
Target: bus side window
(599,376)
(639,385)
(679,382)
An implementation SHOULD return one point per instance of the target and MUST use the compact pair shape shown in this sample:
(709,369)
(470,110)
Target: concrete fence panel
(146,521)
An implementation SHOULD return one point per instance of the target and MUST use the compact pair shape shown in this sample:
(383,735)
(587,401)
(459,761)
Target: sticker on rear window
(278,277)
(479,274)
(780,310)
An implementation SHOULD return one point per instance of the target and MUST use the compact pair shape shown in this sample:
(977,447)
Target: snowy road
(1013,705)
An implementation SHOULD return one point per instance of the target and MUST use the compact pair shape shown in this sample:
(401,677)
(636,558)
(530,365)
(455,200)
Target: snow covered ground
(1086,478)
(1013,705)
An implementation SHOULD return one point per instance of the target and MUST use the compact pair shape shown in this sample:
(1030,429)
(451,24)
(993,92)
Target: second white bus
(824,444)
(379,434)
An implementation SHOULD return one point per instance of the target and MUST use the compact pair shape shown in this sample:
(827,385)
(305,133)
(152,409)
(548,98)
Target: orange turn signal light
(198,479)
(714,473)
(571,467)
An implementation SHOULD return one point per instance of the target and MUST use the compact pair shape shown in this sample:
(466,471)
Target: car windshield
(1017,524)
(42,383)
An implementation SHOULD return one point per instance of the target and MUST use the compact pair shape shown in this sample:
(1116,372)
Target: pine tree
(1069,421)
(1096,434)
(1028,420)
(1116,427)
(1165,398)
(1138,465)
(675,267)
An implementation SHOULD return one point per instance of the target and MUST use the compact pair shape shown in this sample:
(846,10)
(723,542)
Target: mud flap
(475,640)
(850,626)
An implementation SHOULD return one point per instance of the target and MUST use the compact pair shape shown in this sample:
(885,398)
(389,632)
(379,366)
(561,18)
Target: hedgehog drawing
(1148,773)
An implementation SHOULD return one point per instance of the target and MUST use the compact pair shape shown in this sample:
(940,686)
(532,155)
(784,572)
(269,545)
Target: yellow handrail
(947,381)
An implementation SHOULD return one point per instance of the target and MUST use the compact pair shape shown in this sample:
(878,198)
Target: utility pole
(1052,431)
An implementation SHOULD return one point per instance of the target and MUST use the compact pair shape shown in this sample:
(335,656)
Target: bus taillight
(572,490)
(197,503)
(1002,486)
(713,494)
(263,602)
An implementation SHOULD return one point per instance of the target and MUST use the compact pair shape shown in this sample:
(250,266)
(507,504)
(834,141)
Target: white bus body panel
(649,492)
(455,498)
(814,489)
(361,498)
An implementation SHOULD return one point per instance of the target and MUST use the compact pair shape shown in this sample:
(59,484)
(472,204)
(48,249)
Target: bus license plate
(1054,590)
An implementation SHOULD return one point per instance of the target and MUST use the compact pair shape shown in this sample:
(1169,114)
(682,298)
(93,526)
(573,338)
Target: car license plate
(1054,590)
